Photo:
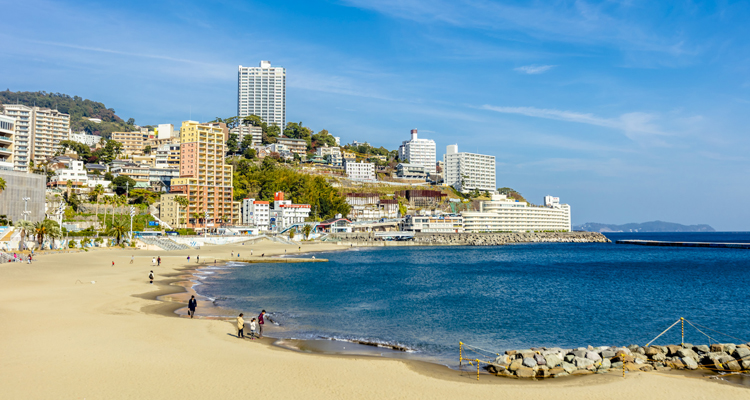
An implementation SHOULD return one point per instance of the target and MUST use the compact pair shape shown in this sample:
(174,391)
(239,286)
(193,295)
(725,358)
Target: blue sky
(630,111)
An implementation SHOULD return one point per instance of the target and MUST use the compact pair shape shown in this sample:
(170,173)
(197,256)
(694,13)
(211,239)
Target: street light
(25,210)
(205,221)
(132,214)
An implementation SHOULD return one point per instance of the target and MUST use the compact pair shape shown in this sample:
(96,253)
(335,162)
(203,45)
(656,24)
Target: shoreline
(323,347)
(62,345)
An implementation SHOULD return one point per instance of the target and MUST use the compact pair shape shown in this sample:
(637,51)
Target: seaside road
(68,340)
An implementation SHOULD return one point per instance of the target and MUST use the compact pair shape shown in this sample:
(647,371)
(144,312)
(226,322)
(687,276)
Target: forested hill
(653,226)
(79,109)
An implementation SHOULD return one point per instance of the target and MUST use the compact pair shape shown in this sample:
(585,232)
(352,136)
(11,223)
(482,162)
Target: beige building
(255,132)
(38,133)
(205,179)
(170,211)
(132,142)
(297,146)
(7,131)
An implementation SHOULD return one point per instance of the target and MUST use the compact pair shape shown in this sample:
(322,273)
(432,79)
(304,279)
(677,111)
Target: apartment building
(255,132)
(256,213)
(7,133)
(502,214)
(419,152)
(170,211)
(132,142)
(331,154)
(168,155)
(165,131)
(88,140)
(38,132)
(261,91)
(468,171)
(205,179)
(434,223)
(296,146)
(360,171)
(285,213)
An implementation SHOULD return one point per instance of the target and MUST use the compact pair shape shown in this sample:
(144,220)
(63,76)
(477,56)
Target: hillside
(79,109)
(653,226)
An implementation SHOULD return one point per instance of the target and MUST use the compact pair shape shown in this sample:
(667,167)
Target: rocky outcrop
(481,239)
(556,362)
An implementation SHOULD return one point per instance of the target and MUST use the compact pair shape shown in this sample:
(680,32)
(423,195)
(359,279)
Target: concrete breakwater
(557,362)
(478,239)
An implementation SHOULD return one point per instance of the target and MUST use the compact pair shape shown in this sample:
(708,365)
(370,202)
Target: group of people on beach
(21,258)
(253,325)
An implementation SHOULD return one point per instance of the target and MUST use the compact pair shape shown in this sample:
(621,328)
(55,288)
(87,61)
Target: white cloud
(633,124)
(534,69)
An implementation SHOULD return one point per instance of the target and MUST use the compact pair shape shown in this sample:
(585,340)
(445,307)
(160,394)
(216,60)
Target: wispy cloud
(633,124)
(534,69)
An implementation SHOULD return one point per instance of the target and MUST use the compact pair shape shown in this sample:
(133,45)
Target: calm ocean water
(498,298)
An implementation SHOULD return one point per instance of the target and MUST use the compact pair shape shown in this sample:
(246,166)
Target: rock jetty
(480,239)
(557,362)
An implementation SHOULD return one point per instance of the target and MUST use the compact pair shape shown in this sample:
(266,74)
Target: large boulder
(540,359)
(557,371)
(525,372)
(659,357)
(673,349)
(578,353)
(593,356)
(568,367)
(542,372)
(631,367)
(516,364)
(584,363)
(688,353)
(502,359)
(606,364)
(729,348)
(689,362)
(717,348)
(529,362)
(647,368)
(608,354)
(652,351)
(552,360)
(702,348)
(741,353)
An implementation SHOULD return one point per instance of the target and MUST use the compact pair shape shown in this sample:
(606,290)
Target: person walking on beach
(198,259)
(261,322)
(252,329)
(188,258)
(131,259)
(240,327)
(153,261)
(232,254)
(151,277)
(113,263)
(192,305)
(158,261)
(251,252)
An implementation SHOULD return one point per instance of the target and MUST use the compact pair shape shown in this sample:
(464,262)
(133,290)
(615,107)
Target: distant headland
(653,226)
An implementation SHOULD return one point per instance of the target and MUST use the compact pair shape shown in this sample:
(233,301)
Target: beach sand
(110,340)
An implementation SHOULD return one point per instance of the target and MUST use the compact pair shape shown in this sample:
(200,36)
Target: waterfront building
(88,140)
(335,225)
(501,214)
(7,133)
(205,179)
(370,207)
(255,132)
(168,155)
(19,186)
(468,171)
(296,146)
(419,152)
(360,171)
(132,142)
(421,197)
(38,133)
(434,223)
(261,91)
(170,211)
(256,213)
(410,171)
(285,213)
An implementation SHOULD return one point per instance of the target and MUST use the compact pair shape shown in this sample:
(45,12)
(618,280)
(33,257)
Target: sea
(428,299)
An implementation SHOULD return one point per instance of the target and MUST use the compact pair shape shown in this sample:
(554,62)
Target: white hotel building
(468,171)
(38,133)
(360,171)
(419,152)
(256,213)
(261,91)
(501,214)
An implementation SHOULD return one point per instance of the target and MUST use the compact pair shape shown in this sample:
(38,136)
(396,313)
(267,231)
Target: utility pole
(25,210)
(132,214)
(205,221)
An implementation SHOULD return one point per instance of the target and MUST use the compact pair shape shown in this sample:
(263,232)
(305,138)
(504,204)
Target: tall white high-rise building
(262,91)
(468,171)
(419,152)
(38,133)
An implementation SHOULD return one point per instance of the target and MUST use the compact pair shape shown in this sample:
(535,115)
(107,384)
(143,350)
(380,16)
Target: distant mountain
(653,226)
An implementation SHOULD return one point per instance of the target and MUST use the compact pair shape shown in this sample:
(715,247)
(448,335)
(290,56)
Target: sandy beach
(64,337)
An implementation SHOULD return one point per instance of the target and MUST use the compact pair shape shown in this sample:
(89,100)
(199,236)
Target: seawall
(475,239)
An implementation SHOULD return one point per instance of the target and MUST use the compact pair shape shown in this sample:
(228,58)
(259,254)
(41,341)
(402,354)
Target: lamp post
(132,214)
(25,210)
(205,221)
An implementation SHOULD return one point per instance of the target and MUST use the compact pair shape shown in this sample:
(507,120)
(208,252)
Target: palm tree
(96,193)
(182,202)
(306,230)
(197,217)
(69,185)
(44,228)
(53,230)
(26,228)
(2,185)
(118,229)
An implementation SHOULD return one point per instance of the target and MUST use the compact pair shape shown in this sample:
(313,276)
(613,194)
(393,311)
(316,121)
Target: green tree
(147,149)
(2,185)
(323,138)
(249,154)
(118,229)
(95,196)
(295,130)
(232,145)
(122,183)
(271,134)
(109,177)
(182,203)
(306,230)
(291,233)
(110,152)
(26,228)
